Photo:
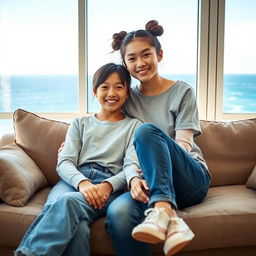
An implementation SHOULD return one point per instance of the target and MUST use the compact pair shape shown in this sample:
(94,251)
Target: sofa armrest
(6,139)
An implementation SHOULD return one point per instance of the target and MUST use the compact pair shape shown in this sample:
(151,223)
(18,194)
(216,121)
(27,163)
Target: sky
(38,37)
(41,36)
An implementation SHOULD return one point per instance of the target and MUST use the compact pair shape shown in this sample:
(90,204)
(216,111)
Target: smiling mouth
(143,71)
(111,101)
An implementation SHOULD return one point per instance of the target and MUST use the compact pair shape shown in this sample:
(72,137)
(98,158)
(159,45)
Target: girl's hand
(61,147)
(139,190)
(139,171)
(105,188)
(96,195)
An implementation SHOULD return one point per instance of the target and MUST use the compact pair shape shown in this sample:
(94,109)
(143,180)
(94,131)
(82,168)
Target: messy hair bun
(154,28)
(150,34)
(117,40)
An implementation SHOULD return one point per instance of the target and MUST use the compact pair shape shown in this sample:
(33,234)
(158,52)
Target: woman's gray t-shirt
(172,110)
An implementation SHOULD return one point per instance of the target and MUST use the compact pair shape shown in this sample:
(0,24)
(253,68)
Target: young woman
(98,151)
(175,173)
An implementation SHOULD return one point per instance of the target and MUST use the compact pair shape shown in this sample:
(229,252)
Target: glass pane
(179,41)
(240,57)
(6,126)
(39,55)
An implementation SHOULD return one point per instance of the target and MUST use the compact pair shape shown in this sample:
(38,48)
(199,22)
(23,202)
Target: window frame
(210,58)
(211,80)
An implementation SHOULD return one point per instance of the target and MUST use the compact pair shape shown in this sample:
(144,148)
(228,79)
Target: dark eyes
(131,59)
(105,87)
(145,55)
(120,87)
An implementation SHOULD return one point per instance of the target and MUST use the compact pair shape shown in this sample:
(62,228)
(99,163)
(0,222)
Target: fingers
(139,190)
(94,198)
(61,147)
(93,194)
(145,185)
(139,171)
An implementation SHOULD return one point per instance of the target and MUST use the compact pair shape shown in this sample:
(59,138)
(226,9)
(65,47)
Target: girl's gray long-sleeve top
(109,144)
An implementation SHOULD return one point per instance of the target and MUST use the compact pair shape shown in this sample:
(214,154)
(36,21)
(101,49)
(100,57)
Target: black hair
(122,39)
(106,70)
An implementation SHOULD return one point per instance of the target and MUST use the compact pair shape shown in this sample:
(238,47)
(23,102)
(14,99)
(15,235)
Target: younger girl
(98,150)
(172,164)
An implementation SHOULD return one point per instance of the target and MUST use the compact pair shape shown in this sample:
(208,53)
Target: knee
(143,132)
(118,213)
(68,199)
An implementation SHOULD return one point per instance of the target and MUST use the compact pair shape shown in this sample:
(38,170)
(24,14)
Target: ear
(160,55)
(95,93)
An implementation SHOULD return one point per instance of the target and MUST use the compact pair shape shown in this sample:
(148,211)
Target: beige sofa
(224,224)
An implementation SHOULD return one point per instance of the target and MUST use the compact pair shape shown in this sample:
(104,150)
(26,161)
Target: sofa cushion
(229,150)
(226,218)
(251,182)
(19,176)
(14,221)
(40,138)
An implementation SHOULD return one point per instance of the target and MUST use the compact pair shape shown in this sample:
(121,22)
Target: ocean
(59,93)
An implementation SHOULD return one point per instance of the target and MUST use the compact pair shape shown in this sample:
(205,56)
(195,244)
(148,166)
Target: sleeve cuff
(77,179)
(116,183)
(131,173)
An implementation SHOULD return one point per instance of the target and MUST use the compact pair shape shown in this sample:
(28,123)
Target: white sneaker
(153,229)
(178,236)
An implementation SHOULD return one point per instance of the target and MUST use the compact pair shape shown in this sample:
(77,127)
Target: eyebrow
(147,49)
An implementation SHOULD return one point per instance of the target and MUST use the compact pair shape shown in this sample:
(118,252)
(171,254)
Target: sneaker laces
(153,214)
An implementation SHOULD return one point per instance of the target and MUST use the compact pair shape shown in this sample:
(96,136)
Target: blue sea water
(59,93)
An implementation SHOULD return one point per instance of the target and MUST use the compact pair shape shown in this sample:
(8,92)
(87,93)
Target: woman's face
(142,60)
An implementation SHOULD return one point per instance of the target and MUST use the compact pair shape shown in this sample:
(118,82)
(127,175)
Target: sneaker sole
(148,235)
(177,243)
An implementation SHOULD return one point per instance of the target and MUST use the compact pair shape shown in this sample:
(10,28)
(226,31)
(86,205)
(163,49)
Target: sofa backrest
(229,149)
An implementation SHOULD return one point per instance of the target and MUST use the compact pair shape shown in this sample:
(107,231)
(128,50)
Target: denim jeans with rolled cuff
(172,175)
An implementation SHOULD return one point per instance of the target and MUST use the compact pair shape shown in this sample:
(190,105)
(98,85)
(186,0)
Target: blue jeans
(63,226)
(172,175)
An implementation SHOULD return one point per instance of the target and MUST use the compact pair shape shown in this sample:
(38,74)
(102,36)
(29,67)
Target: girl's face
(112,94)
(142,60)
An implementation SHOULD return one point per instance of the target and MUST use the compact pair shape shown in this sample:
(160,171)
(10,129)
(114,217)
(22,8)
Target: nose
(140,62)
(111,92)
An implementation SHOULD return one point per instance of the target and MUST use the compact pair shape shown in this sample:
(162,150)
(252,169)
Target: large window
(49,50)
(179,41)
(240,57)
(39,55)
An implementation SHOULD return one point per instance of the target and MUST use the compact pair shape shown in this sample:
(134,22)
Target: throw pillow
(20,177)
(40,138)
(251,182)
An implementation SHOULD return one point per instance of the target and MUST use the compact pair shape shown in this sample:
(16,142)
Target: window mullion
(202,67)
(220,60)
(82,17)
(212,61)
